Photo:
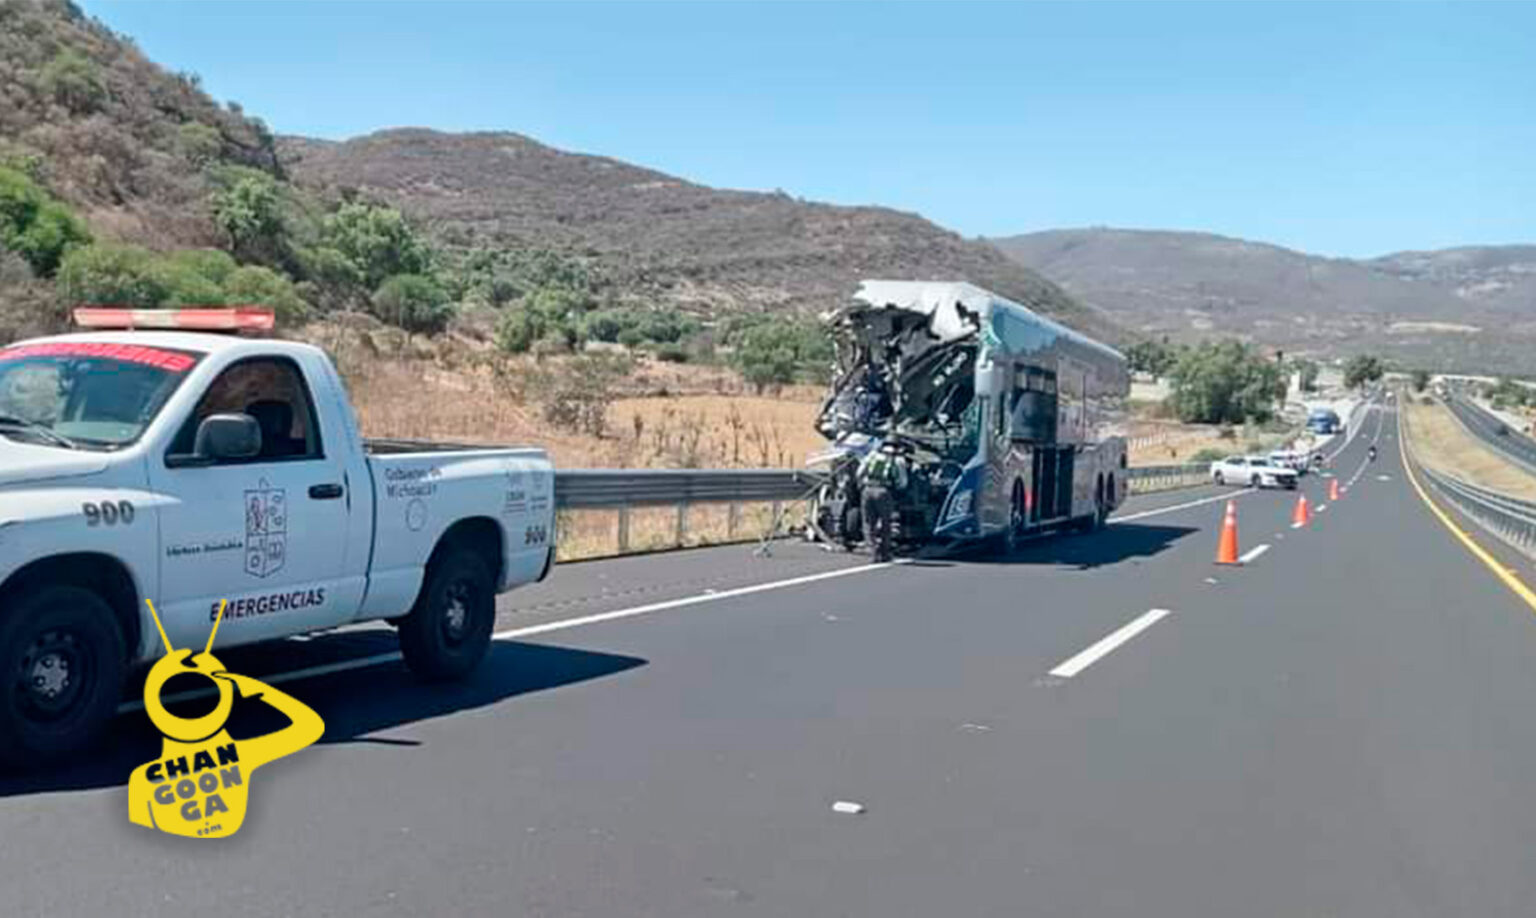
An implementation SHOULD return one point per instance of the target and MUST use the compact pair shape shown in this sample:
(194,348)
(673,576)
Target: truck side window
(273,392)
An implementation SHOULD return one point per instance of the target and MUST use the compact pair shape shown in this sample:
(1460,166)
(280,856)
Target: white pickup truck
(187,469)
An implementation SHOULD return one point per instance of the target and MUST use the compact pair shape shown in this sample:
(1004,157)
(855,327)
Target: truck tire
(448,632)
(62,657)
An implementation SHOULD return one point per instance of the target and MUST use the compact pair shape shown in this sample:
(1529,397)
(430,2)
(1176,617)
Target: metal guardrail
(626,489)
(623,490)
(1145,478)
(1509,518)
(610,489)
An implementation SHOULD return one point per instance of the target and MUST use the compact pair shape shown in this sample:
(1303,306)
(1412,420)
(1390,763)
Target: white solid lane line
(378,659)
(529,630)
(1252,553)
(1194,503)
(341,666)
(1098,651)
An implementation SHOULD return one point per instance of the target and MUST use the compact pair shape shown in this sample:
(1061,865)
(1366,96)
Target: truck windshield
(81,394)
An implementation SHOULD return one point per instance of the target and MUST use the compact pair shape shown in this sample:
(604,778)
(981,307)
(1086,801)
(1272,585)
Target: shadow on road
(1119,542)
(352,704)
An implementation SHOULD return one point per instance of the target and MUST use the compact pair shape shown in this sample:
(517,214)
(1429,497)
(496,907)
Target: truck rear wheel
(61,673)
(448,632)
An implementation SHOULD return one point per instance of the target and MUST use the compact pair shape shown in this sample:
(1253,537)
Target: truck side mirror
(221,437)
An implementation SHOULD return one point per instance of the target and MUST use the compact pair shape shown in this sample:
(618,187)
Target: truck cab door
(267,532)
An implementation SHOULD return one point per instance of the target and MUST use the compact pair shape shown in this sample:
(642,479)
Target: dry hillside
(669,239)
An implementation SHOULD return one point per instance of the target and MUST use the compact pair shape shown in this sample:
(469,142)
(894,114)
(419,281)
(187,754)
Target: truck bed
(395,447)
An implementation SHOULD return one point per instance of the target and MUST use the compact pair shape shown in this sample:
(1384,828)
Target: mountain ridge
(685,243)
(1460,304)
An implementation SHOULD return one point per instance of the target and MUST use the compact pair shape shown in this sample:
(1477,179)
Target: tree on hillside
(1420,380)
(1362,369)
(772,352)
(1154,357)
(377,241)
(1306,375)
(413,302)
(1225,382)
(249,212)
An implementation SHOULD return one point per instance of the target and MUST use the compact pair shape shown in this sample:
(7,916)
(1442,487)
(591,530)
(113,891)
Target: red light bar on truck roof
(237,319)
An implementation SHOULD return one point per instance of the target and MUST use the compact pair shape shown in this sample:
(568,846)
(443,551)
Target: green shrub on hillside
(377,242)
(516,331)
(635,327)
(126,275)
(414,302)
(199,143)
(34,225)
(249,212)
(108,274)
(73,82)
(210,264)
(772,352)
(256,285)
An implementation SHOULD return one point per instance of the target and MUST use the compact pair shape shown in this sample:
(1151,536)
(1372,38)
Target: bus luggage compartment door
(1042,484)
(1066,459)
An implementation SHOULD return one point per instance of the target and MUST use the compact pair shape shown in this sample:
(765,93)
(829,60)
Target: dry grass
(594,533)
(725,430)
(1444,445)
(1180,443)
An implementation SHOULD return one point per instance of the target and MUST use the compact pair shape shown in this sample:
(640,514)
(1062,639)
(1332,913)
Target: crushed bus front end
(956,389)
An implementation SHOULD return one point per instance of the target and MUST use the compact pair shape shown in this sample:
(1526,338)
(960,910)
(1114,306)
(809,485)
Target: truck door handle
(326,491)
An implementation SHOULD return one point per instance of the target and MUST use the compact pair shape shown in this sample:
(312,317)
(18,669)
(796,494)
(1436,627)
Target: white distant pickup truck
(188,468)
(1253,472)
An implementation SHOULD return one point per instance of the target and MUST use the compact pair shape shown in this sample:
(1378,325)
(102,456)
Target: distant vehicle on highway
(1253,472)
(999,418)
(1299,460)
(1324,421)
(188,468)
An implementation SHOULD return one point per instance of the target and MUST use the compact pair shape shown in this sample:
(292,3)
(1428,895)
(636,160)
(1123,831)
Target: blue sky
(1341,129)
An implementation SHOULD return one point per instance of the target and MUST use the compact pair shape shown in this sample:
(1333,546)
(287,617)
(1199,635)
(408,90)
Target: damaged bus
(1004,422)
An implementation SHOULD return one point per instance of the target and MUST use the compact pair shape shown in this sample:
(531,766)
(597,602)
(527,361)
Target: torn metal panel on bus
(987,406)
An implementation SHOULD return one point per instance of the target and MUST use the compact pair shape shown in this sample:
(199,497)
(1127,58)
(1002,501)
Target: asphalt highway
(1100,725)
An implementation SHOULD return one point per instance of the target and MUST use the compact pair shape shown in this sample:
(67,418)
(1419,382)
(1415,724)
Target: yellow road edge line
(1515,584)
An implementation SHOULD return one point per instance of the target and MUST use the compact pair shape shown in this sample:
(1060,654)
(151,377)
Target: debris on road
(848,807)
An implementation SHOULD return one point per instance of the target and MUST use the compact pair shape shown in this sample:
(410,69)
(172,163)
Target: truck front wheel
(448,632)
(61,673)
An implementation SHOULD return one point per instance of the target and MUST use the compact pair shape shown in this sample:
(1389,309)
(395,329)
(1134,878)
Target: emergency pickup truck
(189,468)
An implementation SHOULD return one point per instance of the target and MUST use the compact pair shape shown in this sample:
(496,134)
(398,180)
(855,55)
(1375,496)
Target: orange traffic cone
(1226,549)
(1333,489)
(1301,517)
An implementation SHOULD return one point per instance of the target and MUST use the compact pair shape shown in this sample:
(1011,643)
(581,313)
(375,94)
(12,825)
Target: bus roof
(956,309)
